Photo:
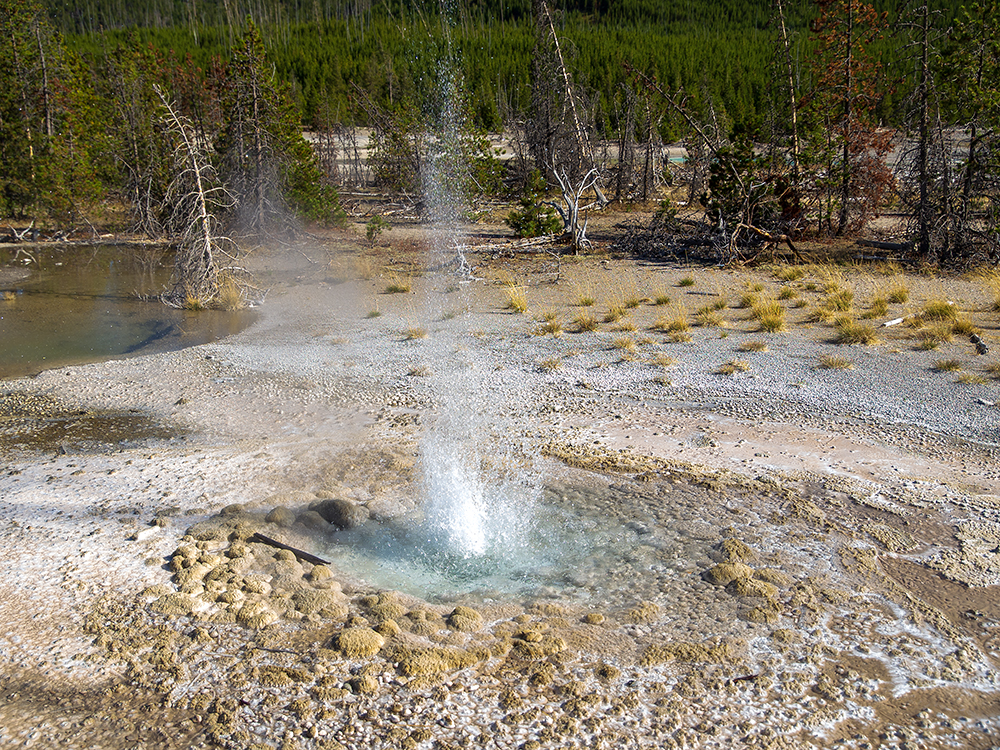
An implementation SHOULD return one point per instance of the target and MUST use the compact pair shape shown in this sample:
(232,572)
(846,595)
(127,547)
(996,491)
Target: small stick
(305,556)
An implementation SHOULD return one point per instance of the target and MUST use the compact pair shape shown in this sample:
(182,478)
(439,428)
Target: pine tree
(46,123)
(970,73)
(848,83)
(924,168)
(139,141)
(265,162)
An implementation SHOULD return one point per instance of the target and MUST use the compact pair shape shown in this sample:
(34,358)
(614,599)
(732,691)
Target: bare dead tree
(193,195)
(557,131)
(652,165)
(571,211)
(625,174)
(704,141)
(783,60)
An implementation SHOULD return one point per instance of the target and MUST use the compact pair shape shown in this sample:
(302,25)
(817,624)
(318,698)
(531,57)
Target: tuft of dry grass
(939,309)
(229,297)
(623,343)
(627,325)
(933,336)
(517,299)
(364,267)
(516,294)
(708,316)
(748,300)
(676,323)
(839,299)
(397,285)
(878,309)
(833,280)
(822,314)
(971,378)
(416,332)
(770,315)
(851,331)
(993,369)
(660,299)
(585,300)
(771,323)
(963,327)
(790,273)
(754,345)
(992,281)
(686,281)
(548,365)
(551,327)
(898,294)
(191,302)
(947,365)
(927,343)
(419,372)
(679,337)
(374,313)
(615,313)
(665,360)
(732,367)
(585,323)
(833,362)
(787,292)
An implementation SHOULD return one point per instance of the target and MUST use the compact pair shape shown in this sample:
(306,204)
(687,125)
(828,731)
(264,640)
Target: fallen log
(526,243)
(767,236)
(304,556)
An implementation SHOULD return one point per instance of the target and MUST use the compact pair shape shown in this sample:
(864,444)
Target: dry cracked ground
(698,509)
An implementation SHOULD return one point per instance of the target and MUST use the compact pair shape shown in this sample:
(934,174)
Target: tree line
(796,115)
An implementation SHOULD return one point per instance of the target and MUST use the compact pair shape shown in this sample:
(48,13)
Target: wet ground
(70,304)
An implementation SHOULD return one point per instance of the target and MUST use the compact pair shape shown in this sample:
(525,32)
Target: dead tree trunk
(196,273)
(570,211)
(786,53)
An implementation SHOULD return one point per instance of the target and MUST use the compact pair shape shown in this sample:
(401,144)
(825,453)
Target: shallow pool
(76,304)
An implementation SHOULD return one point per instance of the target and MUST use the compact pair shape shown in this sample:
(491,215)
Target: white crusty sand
(850,490)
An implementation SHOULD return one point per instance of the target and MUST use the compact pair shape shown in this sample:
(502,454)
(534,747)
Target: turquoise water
(76,304)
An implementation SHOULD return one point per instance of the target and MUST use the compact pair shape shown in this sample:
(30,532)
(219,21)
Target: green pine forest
(719,49)
(85,86)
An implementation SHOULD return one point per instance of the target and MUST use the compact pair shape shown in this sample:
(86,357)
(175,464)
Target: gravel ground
(865,498)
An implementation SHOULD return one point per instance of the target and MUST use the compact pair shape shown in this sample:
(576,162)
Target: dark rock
(341,513)
(281,516)
(313,520)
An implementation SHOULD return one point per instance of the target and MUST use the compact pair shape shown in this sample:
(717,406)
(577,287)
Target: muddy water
(63,306)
